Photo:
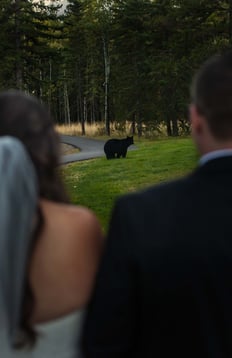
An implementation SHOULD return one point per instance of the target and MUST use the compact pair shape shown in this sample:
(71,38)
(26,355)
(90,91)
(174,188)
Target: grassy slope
(96,183)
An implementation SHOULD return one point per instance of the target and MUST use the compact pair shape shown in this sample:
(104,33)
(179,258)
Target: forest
(113,61)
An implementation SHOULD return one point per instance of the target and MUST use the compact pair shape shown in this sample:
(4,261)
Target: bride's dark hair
(24,117)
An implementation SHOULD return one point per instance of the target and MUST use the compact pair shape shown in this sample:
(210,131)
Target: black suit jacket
(164,287)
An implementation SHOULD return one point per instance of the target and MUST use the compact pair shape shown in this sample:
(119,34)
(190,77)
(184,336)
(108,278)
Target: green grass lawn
(96,183)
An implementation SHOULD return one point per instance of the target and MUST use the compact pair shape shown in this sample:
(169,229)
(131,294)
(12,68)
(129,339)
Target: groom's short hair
(212,94)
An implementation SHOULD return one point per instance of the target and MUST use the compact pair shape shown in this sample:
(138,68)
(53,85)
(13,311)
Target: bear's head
(130,140)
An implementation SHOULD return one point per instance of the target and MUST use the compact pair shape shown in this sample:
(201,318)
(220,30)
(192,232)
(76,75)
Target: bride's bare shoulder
(71,239)
(72,218)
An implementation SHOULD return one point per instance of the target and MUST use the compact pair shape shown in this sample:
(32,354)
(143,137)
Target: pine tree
(26,31)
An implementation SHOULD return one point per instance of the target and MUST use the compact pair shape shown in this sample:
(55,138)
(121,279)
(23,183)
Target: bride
(49,249)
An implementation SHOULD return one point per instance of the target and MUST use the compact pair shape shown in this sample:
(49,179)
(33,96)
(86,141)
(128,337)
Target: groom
(164,287)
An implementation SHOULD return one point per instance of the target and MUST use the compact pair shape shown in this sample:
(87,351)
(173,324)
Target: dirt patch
(68,149)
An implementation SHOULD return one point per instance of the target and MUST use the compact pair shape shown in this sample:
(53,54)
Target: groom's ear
(196,119)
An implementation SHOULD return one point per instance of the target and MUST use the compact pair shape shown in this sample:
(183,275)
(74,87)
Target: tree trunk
(50,86)
(84,118)
(18,65)
(175,129)
(40,81)
(169,128)
(79,93)
(133,124)
(66,102)
(107,73)
(139,126)
(230,22)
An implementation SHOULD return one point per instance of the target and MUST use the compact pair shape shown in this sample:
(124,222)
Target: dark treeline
(111,60)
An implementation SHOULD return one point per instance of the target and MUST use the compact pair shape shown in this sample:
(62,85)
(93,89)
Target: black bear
(117,147)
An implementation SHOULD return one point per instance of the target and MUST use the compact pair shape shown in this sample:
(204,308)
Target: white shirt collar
(215,154)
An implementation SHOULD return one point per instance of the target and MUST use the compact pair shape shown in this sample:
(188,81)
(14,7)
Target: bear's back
(117,147)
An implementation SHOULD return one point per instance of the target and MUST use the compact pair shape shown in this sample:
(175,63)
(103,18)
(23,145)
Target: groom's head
(211,107)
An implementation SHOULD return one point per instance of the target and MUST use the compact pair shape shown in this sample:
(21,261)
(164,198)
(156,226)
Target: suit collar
(217,164)
(215,154)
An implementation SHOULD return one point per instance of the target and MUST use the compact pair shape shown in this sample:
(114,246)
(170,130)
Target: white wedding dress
(59,338)
(19,190)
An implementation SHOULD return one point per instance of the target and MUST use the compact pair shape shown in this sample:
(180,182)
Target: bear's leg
(124,154)
(110,155)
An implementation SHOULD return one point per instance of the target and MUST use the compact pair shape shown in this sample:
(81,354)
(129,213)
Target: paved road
(89,148)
